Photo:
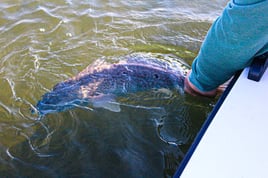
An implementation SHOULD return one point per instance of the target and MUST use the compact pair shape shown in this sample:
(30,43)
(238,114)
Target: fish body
(99,85)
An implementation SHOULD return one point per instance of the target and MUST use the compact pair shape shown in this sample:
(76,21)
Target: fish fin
(107,102)
(165,91)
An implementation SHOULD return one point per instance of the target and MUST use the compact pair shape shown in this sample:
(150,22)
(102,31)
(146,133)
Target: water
(45,42)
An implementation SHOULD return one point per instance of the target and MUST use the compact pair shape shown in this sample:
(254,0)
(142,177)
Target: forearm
(232,41)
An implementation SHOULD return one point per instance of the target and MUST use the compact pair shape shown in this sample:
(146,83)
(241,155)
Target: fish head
(61,98)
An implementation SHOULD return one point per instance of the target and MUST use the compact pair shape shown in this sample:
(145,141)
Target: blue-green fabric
(246,2)
(239,34)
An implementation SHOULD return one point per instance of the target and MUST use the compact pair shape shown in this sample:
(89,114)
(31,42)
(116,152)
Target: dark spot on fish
(156,76)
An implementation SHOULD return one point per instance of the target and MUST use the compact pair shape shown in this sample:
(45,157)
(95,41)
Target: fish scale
(100,86)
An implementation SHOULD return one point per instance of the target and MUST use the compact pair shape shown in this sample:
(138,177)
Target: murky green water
(45,42)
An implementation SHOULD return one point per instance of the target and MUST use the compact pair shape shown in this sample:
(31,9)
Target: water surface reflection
(45,42)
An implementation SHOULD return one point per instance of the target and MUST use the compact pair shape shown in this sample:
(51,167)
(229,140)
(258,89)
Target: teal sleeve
(246,2)
(239,34)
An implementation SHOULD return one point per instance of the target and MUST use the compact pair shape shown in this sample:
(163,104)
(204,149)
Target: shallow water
(45,42)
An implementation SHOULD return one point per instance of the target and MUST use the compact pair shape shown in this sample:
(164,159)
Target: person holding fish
(234,39)
(237,36)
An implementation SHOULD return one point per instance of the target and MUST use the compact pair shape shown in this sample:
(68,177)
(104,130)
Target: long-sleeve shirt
(239,34)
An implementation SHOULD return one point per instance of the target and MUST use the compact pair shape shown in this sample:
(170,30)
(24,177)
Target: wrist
(190,88)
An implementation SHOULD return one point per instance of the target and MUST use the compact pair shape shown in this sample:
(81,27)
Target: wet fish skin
(100,85)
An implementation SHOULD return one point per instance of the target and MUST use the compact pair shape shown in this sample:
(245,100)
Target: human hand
(192,90)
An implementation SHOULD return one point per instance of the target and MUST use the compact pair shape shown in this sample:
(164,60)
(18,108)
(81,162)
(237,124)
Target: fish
(100,85)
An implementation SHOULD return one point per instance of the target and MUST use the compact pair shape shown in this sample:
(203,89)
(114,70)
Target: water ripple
(45,42)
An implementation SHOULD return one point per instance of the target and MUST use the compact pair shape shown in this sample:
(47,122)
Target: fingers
(192,90)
